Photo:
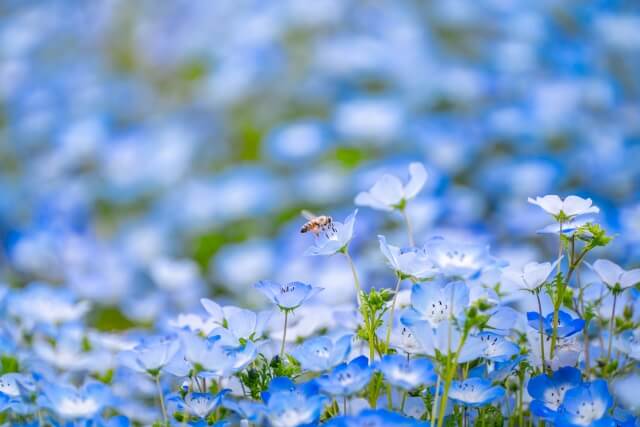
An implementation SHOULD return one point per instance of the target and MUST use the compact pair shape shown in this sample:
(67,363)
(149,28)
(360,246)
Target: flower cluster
(460,337)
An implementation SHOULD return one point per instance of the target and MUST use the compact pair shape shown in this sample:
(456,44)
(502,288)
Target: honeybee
(316,224)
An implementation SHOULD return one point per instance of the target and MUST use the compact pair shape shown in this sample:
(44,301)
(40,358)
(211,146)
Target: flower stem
(284,333)
(409,228)
(391,314)
(452,363)
(434,408)
(356,281)
(558,303)
(165,418)
(344,405)
(612,324)
(544,365)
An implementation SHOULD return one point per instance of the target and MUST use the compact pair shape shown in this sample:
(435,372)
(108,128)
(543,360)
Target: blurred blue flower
(71,403)
(217,356)
(464,261)
(498,348)
(153,355)
(288,404)
(388,193)
(407,374)
(376,418)
(322,353)
(198,404)
(475,392)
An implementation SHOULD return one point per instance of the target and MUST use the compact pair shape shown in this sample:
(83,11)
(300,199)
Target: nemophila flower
(347,378)
(407,374)
(566,209)
(614,276)
(475,392)
(248,410)
(218,355)
(291,405)
(333,239)
(464,261)
(532,276)
(153,355)
(402,338)
(567,325)
(242,323)
(628,343)
(408,262)
(567,228)
(388,193)
(41,304)
(199,405)
(375,418)
(497,348)
(566,353)
(445,339)
(436,302)
(289,296)
(586,405)
(548,392)
(322,353)
(71,403)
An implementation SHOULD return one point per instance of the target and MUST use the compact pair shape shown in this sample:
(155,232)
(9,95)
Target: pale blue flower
(435,302)
(475,392)
(289,296)
(152,355)
(565,209)
(407,374)
(290,405)
(347,378)
(217,356)
(497,348)
(71,403)
(198,404)
(322,353)
(408,262)
(465,261)
(375,418)
(615,276)
(388,193)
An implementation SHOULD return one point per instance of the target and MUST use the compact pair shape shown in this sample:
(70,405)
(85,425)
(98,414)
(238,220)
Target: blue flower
(242,323)
(246,409)
(445,339)
(408,262)
(565,209)
(586,405)
(347,378)
(375,418)
(322,353)
(614,276)
(436,302)
(289,296)
(290,405)
(198,404)
(457,260)
(71,403)
(548,392)
(497,348)
(567,325)
(334,239)
(475,392)
(41,304)
(151,356)
(407,374)
(388,193)
(219,355)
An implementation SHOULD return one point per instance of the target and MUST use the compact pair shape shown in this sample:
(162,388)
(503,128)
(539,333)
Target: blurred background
(152,153)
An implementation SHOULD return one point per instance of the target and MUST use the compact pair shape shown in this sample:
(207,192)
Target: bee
(316,224)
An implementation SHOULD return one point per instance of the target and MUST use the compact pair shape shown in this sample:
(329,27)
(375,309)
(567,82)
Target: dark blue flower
(548,392)
(567,325)
(586,405)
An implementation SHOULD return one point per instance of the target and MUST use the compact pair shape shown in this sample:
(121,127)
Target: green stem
(451,370)
(165,418)
(409,228)
(435,401)
(391,315)
(284,333)
(544,365)
(560,296)
(356,280)
(612,324)
(404,400)
(344,405)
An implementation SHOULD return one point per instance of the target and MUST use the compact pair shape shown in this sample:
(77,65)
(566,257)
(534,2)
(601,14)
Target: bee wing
(308,215)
